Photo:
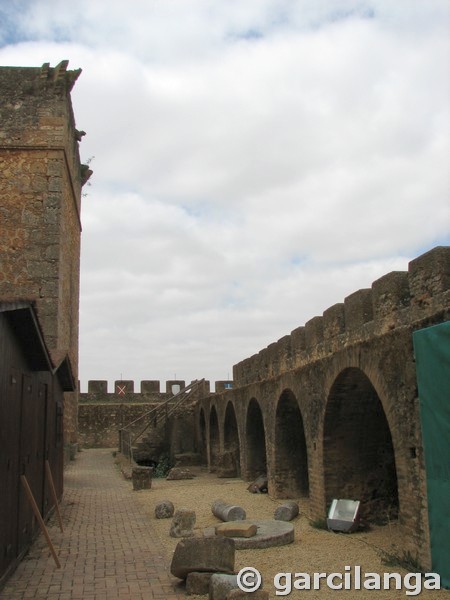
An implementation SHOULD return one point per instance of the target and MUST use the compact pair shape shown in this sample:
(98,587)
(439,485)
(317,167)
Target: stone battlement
(97,388)
(395,300)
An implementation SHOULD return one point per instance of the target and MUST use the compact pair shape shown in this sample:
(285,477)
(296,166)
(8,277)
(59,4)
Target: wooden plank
(39,519)
(48,472)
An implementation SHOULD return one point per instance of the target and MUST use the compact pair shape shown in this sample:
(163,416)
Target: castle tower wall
(40,189)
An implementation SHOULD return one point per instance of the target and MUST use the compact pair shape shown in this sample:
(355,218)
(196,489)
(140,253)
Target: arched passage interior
(214,440)
(231,442)
(256,441)
(291,458)
(359,461)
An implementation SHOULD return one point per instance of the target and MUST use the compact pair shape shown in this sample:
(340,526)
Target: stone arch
(256,441)
(203,451)
(358,453)
(291,478)
(231,441)
(214,439)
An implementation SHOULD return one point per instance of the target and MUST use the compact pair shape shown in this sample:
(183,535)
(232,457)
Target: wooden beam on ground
(48,472)
(40,520)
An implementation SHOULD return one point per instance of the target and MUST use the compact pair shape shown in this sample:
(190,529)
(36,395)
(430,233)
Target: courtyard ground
(113,547)
(314,550)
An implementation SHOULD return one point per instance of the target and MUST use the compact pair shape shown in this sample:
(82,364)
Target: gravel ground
(313,551)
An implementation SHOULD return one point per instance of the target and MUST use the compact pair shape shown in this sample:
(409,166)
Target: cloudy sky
(255,162)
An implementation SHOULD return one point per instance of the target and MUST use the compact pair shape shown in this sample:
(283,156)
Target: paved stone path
(108,550)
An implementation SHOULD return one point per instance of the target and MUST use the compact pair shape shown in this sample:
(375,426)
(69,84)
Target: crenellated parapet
(125,390)
(102,412)
(333,410)
(398,299)
(147,390)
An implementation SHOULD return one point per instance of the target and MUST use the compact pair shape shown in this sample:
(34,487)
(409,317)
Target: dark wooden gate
(31,418)
(9,464)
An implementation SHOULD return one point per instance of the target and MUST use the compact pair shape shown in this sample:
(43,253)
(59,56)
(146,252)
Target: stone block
(220,584)
(429,275)
(209,531)
(273,358)
(227,512)
(390,293)
(183,523)
(269,533)
(203,554)
(150,387)
(244,529)
(239,371)
(313,332)
(73,449)
(198,583)
(298,339)
(262,363)
(97,386)
(358,309)
(164,509)
(285,352)
(55,184)
(259,486)
(122,387)
(179,473)
(173,386)
(222,386)
(333,321)
(142,478)
(287,511)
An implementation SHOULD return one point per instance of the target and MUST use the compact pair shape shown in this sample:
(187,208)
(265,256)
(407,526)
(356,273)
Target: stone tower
(40,192)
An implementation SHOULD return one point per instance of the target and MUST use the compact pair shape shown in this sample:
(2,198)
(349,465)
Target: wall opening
(256,442)
(214,440)
(359,461)
(231,441)
(291,458)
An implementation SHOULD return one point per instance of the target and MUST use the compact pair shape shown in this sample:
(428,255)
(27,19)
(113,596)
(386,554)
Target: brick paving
(108,550)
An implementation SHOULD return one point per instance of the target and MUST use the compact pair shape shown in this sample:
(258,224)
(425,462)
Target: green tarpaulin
(432,351)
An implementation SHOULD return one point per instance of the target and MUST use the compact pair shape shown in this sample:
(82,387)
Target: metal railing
(158,415)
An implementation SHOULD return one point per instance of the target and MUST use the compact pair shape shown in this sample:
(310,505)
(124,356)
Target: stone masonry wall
(40,185)
(344,387)
(99,424)
(102,413)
